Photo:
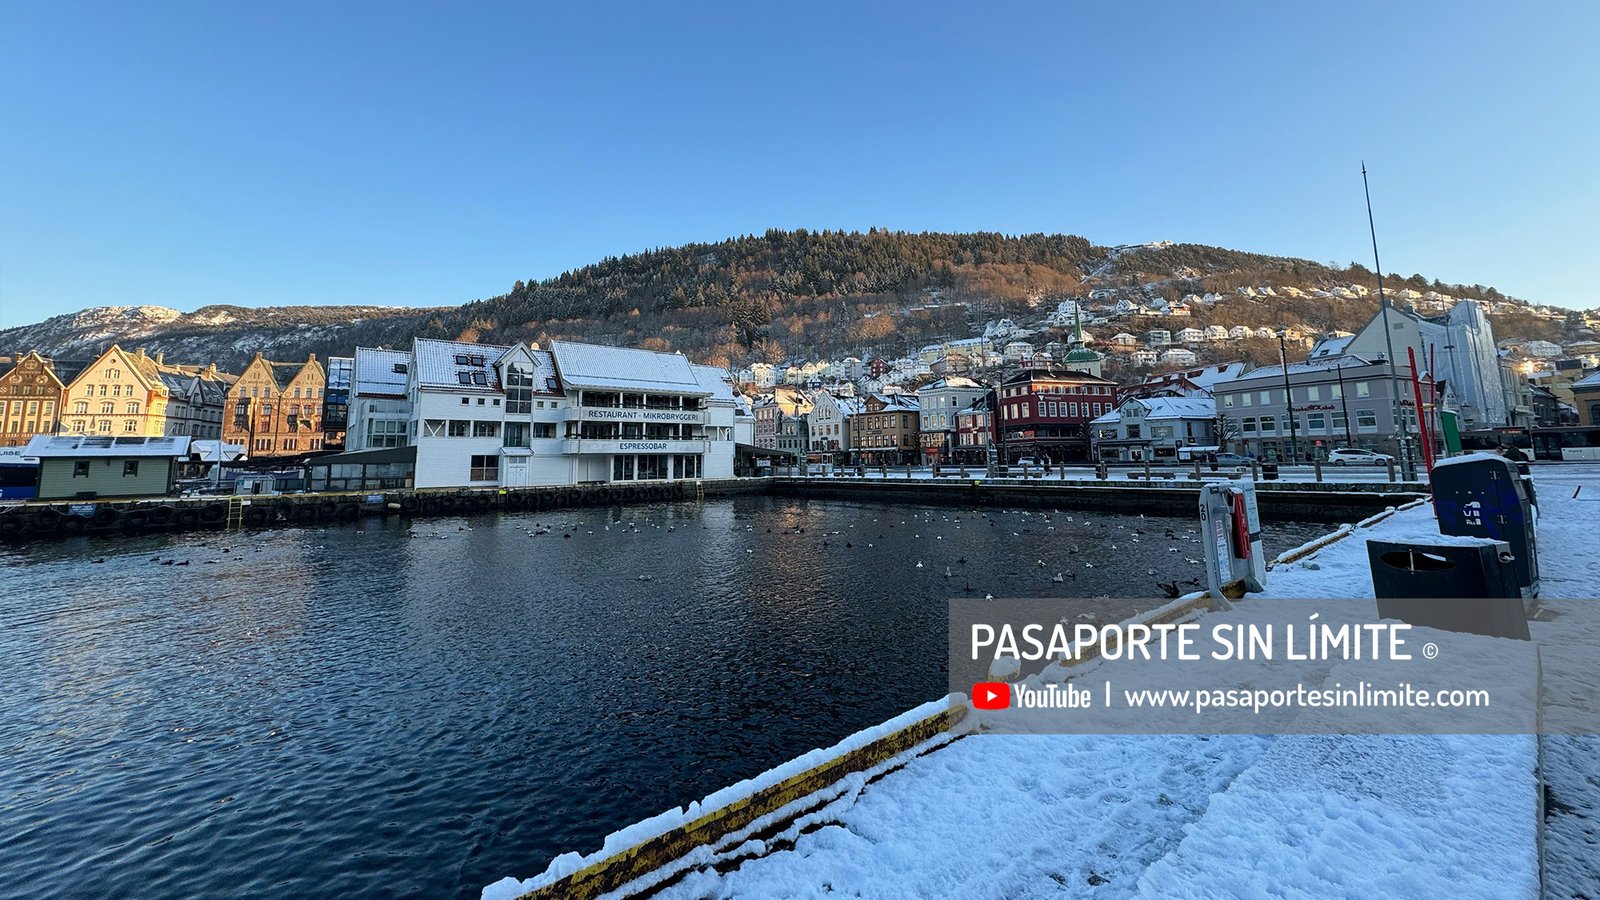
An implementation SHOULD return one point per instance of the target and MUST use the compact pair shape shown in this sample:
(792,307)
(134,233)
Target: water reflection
(423,708)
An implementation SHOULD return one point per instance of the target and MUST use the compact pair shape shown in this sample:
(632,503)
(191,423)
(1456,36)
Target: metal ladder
(235,513)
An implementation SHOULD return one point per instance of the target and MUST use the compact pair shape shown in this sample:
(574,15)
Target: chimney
(160,356)
(311,357)
(140,353)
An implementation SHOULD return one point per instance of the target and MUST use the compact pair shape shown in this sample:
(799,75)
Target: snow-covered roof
(599,367)
(1177,407)
(714,381)
(441,364)
(375,372)
(214,451)
(47,446)
(1591,380)
(1331,346)
(1323,364)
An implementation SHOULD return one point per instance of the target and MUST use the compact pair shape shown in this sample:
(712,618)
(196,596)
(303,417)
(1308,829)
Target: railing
(634,445)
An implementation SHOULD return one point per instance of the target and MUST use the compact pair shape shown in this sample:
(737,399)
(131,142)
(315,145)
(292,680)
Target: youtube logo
(991,695)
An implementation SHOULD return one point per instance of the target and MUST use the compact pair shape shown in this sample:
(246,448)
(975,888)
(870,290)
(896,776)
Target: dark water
(346,711)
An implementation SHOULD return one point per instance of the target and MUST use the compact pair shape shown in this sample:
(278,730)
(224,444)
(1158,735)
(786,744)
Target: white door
(516,473)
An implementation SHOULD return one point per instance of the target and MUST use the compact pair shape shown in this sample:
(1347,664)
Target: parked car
(1347,456)
(1231,459)
(1027,461)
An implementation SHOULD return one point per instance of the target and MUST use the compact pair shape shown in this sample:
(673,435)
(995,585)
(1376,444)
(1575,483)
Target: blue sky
(429,154)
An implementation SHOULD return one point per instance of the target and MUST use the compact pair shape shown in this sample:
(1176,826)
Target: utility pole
(1288,400)
(1401,435)
(1344,404)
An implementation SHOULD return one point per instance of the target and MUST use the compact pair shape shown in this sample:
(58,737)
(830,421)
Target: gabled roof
(622,369)
(1588,381)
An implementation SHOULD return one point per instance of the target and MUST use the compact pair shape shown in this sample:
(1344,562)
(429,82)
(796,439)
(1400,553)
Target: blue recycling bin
(1482,495)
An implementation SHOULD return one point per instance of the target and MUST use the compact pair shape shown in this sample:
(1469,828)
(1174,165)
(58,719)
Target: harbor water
(422,708)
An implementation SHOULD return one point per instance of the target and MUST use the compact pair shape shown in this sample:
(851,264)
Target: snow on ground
(1570,579)
(994,815)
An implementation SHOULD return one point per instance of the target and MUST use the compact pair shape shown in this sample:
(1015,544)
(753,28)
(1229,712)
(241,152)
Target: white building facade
(494,416)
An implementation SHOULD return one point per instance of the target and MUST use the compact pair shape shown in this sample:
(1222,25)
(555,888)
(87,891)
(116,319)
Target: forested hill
(782,295)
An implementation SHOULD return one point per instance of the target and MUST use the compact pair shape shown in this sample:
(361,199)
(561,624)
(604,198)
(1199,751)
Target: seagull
(1088,565)
(1057,578)
(919,563)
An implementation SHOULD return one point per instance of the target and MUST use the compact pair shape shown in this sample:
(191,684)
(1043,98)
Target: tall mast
(1402,436)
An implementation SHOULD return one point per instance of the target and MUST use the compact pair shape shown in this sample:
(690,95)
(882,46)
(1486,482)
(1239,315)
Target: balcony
(633,445)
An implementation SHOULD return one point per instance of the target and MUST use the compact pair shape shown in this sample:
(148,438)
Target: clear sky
(402,153)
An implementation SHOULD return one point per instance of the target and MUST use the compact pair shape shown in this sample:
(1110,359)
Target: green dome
(1082,354)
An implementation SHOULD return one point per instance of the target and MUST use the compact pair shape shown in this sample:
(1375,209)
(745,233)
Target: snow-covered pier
(921,806)
(1332,501)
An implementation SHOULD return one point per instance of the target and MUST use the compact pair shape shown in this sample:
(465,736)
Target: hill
(787,295)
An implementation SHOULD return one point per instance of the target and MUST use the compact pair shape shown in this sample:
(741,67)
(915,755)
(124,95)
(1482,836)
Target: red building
(1044,414)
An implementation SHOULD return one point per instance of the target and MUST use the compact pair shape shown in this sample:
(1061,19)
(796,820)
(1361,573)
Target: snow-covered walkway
(998,816)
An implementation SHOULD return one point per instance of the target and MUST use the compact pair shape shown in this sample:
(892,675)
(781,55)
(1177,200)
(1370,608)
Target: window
(433,428)
(516,434)
(1316,423)
(1247,426)
(544,429)
(1313,392)
(385,433)
(485,429)
(1227,401)
(107,408)
(291,443)
(80,408)
(1269,425)
(1366,420)
(485,468)
(80,468)
(130,467)
(1363,389)
(400,368)
(130,426)
(464,378)
(459,428)
(1265,398)
(1247,399)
